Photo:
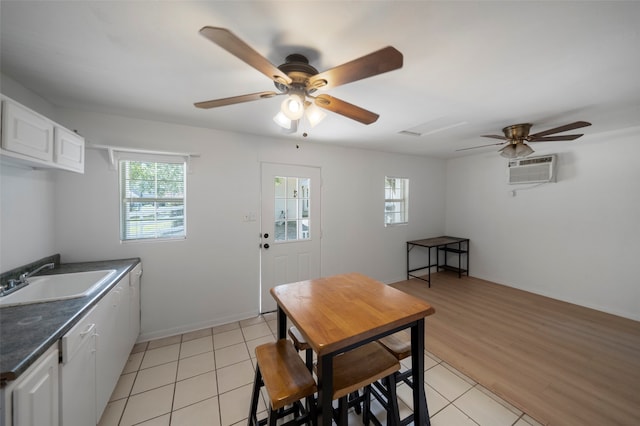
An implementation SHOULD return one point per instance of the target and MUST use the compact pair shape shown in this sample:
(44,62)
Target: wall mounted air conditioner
(532,170)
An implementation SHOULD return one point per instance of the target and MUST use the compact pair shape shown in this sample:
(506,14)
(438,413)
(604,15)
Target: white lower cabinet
(77,373)
(135,278)
(75,391)
(32,399)
(112,344)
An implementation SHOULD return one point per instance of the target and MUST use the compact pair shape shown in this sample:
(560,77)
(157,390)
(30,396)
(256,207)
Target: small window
(396,200)
(292,221)
(152,200)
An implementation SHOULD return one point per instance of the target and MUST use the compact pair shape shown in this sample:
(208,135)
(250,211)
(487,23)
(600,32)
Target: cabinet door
(78,374)
(35,398)
(112,343)
(135,277)
(27,133)
(68,149)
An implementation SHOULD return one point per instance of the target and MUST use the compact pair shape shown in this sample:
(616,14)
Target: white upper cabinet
(68,149)
(31,139)
(24,132)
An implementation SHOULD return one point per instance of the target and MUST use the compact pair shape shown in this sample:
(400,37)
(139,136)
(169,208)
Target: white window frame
(397,196)
(150,158)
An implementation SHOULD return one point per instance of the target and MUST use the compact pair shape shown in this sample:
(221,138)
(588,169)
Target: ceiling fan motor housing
(517,132)
(297,67)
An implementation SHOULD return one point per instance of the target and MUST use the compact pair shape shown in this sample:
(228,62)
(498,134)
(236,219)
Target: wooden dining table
(338,313)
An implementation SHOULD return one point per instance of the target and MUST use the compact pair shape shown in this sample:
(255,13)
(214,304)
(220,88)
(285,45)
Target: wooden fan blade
(235,100)
(554,138)
(576,125)
(344,108)
(495,137)
(241,50)
(378,62)
(481,146)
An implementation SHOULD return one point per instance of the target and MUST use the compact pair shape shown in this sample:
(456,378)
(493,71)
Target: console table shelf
(447,245)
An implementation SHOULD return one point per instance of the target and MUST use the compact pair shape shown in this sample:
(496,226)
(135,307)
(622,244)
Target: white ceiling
(470,68)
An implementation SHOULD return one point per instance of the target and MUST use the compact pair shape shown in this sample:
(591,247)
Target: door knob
(266,246)
(265,236)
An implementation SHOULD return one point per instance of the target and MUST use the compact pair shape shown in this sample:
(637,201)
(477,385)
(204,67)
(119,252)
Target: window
(152,200)
(396,200)
(291,208)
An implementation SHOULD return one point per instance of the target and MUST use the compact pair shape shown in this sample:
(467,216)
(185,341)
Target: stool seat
(301,344)
(285,376)
(399,344)
(360,367)
(287,380)
(298,339)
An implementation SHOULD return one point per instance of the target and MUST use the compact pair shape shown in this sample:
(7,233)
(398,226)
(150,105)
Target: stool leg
(311,410)
(342,411)
(253,410)
(366,406)
(354,396)
(273,417)
(309,359)
(393,413)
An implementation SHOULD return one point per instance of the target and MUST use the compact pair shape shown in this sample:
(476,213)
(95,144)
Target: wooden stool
(301,344)
(399,345)
(287,380)
(359,368)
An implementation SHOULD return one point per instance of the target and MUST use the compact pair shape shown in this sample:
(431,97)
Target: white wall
(576,240)
(27,219)
(212,277)
(26,203)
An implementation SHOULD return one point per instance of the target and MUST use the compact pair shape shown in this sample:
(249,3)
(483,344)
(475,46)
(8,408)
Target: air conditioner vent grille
(532,170)
(538,160)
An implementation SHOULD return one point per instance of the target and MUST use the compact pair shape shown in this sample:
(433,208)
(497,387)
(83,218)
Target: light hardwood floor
(560,363)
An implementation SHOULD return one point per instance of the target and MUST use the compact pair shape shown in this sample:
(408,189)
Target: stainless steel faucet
(23,280)
(24,277)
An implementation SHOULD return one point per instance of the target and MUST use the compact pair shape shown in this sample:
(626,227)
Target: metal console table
(459,246)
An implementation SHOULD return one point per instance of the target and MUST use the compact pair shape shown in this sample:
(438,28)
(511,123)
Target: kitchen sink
(47,288)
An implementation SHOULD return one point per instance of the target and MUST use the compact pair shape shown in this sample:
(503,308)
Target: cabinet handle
(87,330)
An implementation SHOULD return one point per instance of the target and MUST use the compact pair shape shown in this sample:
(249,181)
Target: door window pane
(292,221)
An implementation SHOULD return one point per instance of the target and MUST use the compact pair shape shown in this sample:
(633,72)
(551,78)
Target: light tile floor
(205,378)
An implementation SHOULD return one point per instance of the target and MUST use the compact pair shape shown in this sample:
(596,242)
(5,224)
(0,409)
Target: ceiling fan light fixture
(293,107)
(522,150)
(508,151)
(282,120)
(516,150)
(314,114)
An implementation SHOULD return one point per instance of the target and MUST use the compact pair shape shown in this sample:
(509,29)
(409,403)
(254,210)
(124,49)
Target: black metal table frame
(325,370)
(437,243)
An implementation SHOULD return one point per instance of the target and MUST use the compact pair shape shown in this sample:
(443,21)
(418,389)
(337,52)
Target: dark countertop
(27,331)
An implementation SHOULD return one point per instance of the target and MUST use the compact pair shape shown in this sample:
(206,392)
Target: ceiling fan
(517,134)
(299,80)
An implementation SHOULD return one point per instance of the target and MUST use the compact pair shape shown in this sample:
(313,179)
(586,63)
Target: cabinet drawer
(77,336)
